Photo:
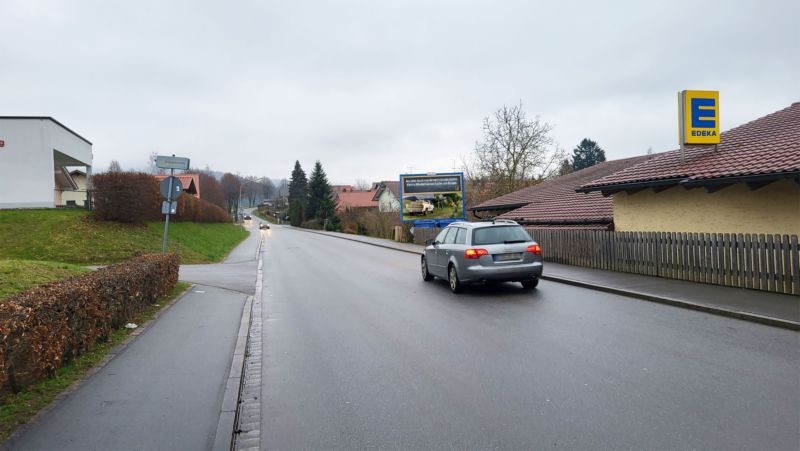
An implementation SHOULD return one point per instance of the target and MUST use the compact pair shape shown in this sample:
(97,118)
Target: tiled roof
(599,226)
(190,182)
(355,199)
(769,146)
(560,189)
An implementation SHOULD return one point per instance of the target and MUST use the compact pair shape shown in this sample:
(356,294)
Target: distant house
(749,183)
(355,200)
(190,182)
(76,197)
(34,155)
(554,203)
(387,195)
(335,189)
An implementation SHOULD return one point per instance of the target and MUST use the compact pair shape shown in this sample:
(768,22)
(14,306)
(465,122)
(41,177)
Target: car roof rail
(504,221)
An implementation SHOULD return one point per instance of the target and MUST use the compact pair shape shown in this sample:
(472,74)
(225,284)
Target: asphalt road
(360,352)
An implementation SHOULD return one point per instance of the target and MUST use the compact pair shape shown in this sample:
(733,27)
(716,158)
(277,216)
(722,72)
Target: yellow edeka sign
(699,117)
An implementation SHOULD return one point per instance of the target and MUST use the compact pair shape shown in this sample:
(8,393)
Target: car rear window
(500,235)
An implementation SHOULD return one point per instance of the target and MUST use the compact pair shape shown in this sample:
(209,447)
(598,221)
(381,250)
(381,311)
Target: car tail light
(535,249)
(475,253)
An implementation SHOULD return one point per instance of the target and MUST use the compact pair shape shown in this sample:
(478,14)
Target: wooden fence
(756,261)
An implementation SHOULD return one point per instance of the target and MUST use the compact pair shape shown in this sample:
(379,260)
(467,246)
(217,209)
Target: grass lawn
(21,275)
(267,218)
(73,236)
(17,409)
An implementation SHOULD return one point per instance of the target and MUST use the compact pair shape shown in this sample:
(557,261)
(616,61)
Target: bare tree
(251,190)
(151,164)
(114,166)
(210,189)
(515,151)
(362,185)
(230,189)
(269,189)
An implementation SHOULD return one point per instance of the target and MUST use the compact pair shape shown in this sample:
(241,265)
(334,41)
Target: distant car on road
(263,226)
(472,252)
(247,217)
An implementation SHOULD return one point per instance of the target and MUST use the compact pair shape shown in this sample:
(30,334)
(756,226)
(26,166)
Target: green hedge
(43,328)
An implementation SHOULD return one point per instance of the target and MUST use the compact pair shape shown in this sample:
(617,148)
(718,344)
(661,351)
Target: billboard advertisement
(432,199)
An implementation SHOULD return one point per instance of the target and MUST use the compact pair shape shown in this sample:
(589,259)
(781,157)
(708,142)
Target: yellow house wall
(773,209)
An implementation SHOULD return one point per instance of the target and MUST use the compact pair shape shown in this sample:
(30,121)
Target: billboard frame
(434,222)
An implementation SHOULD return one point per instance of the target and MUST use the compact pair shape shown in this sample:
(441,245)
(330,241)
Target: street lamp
(239,204)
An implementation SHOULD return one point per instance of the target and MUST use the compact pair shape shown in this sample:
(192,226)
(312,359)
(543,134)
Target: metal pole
(169,203)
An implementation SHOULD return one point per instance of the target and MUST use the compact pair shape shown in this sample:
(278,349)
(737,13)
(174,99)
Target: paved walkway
(769,308)
(175,385)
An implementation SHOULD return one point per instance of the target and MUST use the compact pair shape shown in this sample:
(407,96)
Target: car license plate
(507,257)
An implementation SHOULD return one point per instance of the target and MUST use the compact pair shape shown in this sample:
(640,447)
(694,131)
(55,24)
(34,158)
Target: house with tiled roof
(355,200)
(387,195)
(190,182)
(554,203)
(748,183)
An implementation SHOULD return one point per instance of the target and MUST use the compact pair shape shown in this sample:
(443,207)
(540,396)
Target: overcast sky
(375,88)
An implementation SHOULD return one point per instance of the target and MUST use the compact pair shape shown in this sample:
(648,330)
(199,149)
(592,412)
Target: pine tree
(588,153)
(298,187)
(319,194)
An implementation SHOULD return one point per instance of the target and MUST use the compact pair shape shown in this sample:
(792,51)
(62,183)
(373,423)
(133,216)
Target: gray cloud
(372,88)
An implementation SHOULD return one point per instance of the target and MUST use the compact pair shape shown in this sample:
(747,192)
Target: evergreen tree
(298,187)
(296,212)
(565,167)
(588,153)
(319,192)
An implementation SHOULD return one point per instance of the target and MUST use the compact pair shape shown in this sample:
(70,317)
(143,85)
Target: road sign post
(171,188)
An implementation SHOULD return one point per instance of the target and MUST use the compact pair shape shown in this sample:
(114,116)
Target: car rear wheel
(530,284)
(426,276)
(455,285)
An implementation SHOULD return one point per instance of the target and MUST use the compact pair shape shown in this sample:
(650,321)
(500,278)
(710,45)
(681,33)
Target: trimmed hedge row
(192,209)
(135,197)
(43,328)
(126,197)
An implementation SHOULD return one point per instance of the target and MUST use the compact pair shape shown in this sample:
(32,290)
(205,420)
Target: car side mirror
(428,242)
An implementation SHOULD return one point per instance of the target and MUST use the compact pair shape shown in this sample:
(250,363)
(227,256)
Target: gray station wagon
(472,252)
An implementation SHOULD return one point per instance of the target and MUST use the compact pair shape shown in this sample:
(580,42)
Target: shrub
(126,197)
(135,197)
(43,328)
(192,209)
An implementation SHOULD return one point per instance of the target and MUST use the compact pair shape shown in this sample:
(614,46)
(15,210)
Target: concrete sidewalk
(162,390)
(758,306)
(172,386)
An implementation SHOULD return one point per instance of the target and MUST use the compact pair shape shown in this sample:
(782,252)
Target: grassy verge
(19,408)
(270,219)
(73,236)
(21,275)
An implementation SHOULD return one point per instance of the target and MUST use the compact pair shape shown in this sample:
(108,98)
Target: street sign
(177,188)
(172,162)
(169,208)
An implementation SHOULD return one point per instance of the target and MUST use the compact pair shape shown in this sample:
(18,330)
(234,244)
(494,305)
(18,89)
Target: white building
(34,154)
